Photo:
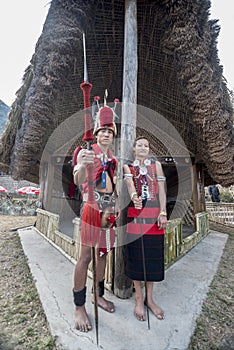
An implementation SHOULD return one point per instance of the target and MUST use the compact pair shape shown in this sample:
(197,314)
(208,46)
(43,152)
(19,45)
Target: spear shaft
(144,269)
(90,228)
(145,280)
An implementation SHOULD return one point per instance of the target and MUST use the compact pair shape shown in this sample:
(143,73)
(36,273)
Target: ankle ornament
(101,288)
(79,297)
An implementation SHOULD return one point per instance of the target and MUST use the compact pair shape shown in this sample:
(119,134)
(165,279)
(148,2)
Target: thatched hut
(179,77)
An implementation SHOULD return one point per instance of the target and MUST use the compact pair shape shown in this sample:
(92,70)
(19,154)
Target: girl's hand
(137,201)
(117,210)
(162,221)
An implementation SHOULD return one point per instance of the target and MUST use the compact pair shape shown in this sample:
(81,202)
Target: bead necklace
(104,165)
(144,179)
(104,161)
(140,181)
(153,182)
(108,243)
(142,168)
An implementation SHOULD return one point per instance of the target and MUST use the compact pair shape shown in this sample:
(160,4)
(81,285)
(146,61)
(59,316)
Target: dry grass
(22,319)
(215,324)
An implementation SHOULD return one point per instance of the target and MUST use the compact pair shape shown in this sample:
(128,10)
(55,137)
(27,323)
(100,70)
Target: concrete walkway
(181,295)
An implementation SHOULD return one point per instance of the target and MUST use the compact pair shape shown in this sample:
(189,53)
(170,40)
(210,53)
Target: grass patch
(23,322)
(214,327)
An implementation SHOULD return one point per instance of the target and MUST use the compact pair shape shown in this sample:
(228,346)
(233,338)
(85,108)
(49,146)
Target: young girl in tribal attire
(147,219)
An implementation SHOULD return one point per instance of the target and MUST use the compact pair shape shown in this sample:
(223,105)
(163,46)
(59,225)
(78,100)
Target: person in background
(147,220)
(214,193)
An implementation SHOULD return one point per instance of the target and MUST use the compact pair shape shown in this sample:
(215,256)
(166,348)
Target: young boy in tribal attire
(147,219)
(104,175)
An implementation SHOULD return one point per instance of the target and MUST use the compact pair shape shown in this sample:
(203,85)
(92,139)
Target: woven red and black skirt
(143,233)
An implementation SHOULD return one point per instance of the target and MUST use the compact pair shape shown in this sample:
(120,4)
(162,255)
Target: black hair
(139,138)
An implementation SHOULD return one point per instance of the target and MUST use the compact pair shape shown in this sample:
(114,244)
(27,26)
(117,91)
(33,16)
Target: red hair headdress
(104,117)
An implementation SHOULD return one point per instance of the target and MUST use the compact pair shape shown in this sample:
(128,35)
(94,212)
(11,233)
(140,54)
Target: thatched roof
(179,76)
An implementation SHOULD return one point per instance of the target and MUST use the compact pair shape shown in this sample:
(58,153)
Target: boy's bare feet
(105,304)
(82,322)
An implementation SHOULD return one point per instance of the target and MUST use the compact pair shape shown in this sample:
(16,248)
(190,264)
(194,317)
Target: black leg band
(101,288)
(79,297)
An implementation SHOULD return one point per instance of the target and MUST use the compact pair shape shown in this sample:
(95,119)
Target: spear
(144,268)
(145,280)
(91,223)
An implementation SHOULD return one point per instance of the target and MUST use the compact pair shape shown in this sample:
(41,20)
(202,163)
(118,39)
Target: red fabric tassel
(71,190)
(75,154)
(86,88)
(91,223)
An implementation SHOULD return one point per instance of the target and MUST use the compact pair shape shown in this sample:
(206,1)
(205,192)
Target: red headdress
(105,117)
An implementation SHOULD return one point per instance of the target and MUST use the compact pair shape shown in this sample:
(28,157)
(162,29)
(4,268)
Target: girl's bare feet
(139,311)
(156,310)
(82,322)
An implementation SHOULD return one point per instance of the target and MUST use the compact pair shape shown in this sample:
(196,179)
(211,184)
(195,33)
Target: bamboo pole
(202,188)
(195,194)
(122,285)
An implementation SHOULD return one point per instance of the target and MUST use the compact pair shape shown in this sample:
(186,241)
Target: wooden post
(202,205)
(49,186)
(42,181)
(196,192)
(195,189)
(122,284)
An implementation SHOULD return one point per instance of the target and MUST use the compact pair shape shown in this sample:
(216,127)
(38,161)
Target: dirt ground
(23,324)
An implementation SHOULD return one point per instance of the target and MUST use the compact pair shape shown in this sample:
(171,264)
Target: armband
(161,178)
(133,194)
(76,168)
(127,176)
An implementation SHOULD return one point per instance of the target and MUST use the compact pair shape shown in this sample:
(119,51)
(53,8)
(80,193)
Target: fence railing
(221,212)
(175,245)
(17,206)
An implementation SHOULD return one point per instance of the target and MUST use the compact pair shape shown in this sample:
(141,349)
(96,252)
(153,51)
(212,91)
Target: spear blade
(85,60)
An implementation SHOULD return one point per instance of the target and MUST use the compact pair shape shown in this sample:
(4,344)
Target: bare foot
(139,311)
(82,322)
(105,304)
(156,310)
